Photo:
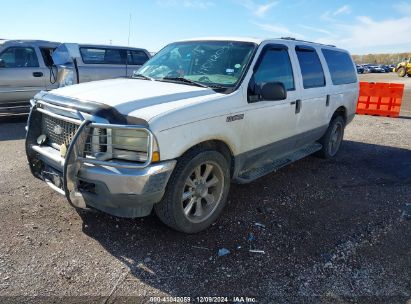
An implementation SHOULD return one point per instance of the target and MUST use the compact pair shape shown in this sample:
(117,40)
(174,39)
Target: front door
(270,126)
(21,76)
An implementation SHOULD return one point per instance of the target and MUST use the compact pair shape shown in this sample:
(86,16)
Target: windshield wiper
(185,80)
(141,76)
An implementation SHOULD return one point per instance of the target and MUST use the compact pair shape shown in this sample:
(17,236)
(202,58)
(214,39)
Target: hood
(132,95)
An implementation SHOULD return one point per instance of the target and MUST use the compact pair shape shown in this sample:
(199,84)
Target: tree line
(380,58)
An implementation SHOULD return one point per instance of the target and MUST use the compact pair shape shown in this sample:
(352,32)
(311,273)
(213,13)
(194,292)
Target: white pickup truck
(200,114)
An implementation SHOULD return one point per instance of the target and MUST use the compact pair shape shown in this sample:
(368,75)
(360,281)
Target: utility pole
(129,30)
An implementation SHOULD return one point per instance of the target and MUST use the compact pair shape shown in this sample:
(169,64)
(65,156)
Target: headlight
(67,78)
(132,140)
(131,144)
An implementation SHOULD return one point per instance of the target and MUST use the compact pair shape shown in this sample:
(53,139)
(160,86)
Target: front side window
(275,66)
(216,64)
(136,57)
(19,57)
(341,67)
(103,56)
(311,68)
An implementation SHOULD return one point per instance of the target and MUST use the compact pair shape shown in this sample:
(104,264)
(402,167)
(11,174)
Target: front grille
(58,131)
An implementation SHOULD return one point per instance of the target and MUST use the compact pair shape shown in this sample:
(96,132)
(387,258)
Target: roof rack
(292,38)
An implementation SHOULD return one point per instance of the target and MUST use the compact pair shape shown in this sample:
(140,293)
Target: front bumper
(123,191)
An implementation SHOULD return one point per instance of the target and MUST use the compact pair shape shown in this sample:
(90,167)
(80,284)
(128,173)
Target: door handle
(292,102)
(297,106)
(327,101)
(37,74)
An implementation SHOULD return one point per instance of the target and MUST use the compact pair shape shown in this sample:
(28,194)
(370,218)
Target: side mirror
(2,63)
(272,91)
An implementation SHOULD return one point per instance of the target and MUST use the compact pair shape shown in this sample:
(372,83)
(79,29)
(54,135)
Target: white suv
(198,115)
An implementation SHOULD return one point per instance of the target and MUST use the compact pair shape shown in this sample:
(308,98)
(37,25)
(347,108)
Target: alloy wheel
(202,191)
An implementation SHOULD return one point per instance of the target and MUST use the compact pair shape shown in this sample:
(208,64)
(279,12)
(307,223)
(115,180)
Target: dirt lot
(336,231)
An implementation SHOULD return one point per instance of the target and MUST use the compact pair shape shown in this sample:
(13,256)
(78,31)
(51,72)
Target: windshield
(209,63)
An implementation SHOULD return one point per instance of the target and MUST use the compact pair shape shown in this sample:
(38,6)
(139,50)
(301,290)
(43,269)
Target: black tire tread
(323,153)
(164,209)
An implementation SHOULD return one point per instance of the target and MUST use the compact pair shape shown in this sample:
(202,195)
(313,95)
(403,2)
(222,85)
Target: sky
(362,26)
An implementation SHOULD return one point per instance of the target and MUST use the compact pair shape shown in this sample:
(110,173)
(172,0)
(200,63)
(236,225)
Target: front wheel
(196,192)
(332,139)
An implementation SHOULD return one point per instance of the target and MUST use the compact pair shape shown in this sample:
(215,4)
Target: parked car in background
(375,68)
(360,69)
(200,114)
(26,67)
(78,63)
(386,68)
(366,68)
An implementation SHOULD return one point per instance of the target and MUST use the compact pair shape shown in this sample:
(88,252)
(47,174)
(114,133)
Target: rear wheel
(401,72)
(196,193)
(332,139)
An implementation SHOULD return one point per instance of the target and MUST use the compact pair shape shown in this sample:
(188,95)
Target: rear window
(136,57)
(103,56)
(341,66)
(311,68)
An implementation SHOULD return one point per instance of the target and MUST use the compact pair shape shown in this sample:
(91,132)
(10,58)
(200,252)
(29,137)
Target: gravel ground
(335,231)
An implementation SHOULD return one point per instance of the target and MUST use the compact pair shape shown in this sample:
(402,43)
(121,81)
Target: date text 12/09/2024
(239,299)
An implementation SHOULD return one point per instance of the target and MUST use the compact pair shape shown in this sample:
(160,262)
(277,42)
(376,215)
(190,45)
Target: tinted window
(275,66)
(311,69)
(20,57)
(103,56)
(341,67)
(136,57)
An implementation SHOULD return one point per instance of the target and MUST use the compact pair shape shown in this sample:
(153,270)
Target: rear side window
(341,66)
(136,57)
(275,66)
(103,56)
(311,68)
(19,57)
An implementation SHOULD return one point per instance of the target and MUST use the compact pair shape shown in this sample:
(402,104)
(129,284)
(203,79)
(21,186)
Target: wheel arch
(340,111)
(217,145)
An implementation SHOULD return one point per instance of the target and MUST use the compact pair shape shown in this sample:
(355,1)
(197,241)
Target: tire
(401,72)
(196,212)
(332,139)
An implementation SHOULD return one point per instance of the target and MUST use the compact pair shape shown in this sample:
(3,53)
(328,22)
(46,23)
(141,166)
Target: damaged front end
(100,165)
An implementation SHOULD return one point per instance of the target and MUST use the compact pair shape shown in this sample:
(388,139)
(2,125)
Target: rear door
(21,76)
(102,63)
(311,111)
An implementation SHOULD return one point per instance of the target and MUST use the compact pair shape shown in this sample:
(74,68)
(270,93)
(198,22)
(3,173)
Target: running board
(273,165)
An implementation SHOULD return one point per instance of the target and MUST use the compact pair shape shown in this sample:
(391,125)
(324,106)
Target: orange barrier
(382,99)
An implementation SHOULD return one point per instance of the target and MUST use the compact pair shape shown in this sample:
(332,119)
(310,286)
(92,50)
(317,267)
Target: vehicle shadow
(303,213)
(12,127)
